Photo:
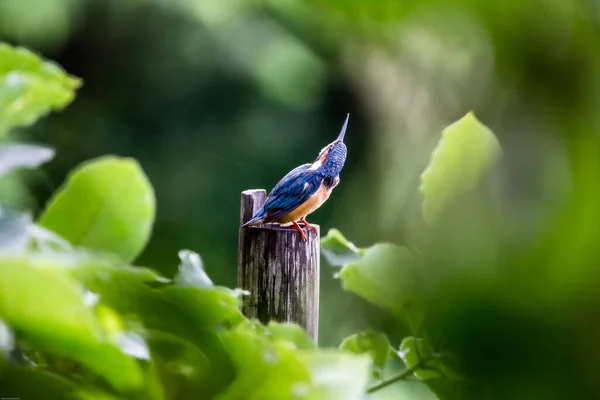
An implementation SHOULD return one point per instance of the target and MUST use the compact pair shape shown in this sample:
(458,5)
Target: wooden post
(280,271)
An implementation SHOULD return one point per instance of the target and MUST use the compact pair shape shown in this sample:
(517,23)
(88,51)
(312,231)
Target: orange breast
(310,205)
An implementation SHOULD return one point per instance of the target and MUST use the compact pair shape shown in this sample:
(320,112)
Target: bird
(304,189)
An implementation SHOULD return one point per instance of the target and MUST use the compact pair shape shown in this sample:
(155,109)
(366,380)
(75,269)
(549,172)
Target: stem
(398,377)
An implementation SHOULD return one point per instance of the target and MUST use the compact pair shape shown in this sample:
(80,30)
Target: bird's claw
(303,236)
(309,226)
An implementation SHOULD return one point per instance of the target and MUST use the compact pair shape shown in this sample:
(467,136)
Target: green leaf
(45,241)
(426,374)
(30,87)
(181,366)
(27,284)
(383,274)
(23,155)
(414,351)
(40,301)
(339,251)
(265,370)
(268,369)
(433,371)
(464,154)
(107,204)
(375,344)
(386,276)
(291,333)
(417,351)
(199,316)
(119,286)
(336,375)
(191,270)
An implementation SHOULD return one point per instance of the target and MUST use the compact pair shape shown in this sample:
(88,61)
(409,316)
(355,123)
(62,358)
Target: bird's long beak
(340,138)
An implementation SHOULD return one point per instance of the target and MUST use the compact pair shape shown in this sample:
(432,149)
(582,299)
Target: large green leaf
(30,87)
(41,302)
(118,285)
(26,286)
(464,154)
(107,204)
(386,276)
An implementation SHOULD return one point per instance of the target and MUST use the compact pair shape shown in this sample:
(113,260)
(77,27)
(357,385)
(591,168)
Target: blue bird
(304,189)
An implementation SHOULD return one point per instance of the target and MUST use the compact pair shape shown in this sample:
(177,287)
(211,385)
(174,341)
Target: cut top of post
(252,201)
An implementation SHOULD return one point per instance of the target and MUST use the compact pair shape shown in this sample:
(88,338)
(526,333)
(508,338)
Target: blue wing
(289,193)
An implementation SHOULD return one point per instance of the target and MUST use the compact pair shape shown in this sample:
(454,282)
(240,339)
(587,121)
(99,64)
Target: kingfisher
(304,189)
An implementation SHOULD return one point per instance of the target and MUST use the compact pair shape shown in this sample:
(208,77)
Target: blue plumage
(289,193)
(308,183)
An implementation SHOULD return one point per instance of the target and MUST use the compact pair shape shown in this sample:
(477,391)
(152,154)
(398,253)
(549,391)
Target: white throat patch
(316,165)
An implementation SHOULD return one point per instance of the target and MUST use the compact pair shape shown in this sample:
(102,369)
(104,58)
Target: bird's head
(332,157)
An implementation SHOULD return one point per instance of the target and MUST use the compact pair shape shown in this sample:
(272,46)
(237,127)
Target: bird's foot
(309,226)
(302,234)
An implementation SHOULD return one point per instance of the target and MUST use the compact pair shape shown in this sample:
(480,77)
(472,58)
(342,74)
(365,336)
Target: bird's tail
(257,219)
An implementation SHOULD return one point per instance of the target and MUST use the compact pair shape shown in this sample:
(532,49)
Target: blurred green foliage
(216,97)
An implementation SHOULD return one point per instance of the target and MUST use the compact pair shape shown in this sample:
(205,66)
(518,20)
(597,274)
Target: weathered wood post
(280,271)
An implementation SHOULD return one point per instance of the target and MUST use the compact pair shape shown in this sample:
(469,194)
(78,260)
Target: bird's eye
(327,181)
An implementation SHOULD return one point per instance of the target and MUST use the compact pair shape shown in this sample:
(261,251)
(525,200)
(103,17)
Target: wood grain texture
(280,271)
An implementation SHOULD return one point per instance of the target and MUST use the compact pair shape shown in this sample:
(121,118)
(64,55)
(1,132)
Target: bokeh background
(215,97)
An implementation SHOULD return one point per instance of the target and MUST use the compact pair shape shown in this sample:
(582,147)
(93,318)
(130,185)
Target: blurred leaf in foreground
(119,286)
(337,375)
(198,316)
(14,230)
(25,383)
(386,276)
(14,156)
(464,154)
(291,333)
(339,251)
(7,341)
(107,204)
(40,301)
(30,87)
(264,370)
(191,270)
(269,367)
(181,366)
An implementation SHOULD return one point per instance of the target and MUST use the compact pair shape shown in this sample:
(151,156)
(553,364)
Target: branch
(398,377)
